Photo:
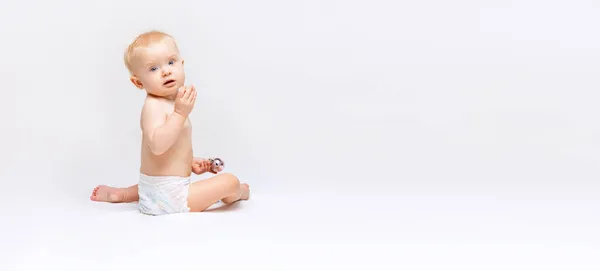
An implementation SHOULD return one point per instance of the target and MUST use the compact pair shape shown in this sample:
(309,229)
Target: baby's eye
(171,62)
(153,69)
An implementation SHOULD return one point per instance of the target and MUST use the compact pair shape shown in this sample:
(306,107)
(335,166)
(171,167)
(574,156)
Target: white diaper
(161,195)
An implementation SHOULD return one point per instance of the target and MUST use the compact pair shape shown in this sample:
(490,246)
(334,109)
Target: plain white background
(448,121)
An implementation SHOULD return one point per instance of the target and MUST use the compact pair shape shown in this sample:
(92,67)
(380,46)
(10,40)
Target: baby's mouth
(168,82)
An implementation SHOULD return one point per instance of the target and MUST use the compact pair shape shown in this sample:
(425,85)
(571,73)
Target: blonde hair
(143,40)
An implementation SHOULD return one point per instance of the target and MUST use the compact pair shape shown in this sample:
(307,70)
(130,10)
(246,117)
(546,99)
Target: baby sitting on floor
(156,66)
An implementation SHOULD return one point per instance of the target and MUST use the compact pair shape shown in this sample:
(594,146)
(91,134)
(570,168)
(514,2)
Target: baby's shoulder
(155,109)
(156,104)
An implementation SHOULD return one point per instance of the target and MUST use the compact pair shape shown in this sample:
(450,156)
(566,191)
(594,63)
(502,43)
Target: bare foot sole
(245,191)
(105,193)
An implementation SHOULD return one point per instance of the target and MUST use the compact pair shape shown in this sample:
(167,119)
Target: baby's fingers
(184,92)
(194,97)
(181,92)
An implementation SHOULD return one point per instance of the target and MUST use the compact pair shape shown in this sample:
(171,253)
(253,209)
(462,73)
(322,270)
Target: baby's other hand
(201,166)
(184,102)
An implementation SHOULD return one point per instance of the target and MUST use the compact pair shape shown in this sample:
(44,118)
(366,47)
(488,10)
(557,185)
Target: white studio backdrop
(312,93)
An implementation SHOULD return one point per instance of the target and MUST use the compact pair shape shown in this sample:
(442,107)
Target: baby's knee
(231,181)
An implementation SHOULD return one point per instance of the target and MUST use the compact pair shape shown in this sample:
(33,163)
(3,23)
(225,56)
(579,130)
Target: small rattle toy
(216,163)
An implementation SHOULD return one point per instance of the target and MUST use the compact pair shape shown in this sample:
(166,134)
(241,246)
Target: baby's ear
(136,82)
(182,61)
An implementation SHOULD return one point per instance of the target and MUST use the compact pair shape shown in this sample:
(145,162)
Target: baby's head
(155,64)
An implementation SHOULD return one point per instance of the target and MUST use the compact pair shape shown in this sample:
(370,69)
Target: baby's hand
(200,166)
(184,102)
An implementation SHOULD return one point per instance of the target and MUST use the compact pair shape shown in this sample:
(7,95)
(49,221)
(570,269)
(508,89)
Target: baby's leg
(116,195)
(225,187)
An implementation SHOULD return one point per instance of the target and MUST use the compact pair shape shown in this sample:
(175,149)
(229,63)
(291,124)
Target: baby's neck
(170,98)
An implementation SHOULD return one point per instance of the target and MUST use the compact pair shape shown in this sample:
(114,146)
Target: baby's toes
(94,194)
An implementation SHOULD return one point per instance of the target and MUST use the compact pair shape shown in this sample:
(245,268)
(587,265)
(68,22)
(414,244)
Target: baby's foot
(245,191)
(107,194)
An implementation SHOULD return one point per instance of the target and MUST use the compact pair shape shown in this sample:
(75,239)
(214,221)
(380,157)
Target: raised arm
(161,131)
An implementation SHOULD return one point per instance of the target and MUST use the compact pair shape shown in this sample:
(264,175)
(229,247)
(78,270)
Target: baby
(156,66)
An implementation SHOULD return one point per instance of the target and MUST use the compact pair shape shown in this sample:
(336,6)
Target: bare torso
(177,161)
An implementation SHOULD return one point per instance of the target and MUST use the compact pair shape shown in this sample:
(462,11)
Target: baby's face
(159,69)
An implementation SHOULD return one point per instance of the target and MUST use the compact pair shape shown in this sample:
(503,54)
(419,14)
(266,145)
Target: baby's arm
(161,130)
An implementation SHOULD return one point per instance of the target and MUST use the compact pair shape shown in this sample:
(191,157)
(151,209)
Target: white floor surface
(399,228)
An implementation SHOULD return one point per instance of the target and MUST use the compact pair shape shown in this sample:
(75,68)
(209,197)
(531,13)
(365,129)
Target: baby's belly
(175,162)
